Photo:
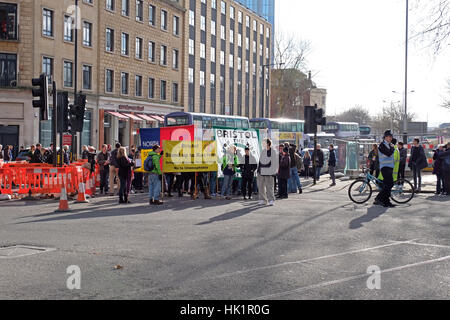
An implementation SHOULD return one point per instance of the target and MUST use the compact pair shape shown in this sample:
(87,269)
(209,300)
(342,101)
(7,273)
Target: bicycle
(361,190)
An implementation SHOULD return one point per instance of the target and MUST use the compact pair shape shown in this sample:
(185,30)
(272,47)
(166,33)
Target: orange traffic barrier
(82,193)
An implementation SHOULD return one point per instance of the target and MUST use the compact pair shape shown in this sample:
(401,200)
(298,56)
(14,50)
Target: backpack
(148,164)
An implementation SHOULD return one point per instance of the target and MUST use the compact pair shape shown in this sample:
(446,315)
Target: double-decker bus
(205,121)
(349,130)
(287,130)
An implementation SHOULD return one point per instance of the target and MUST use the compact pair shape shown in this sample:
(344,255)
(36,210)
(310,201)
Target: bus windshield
(177,121)
(259,124)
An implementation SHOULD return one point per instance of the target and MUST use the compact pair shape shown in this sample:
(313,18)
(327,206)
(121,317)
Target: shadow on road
(231,215)
(438,198)
(372,213)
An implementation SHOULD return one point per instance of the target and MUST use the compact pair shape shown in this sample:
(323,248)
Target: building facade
(226,47)
(138,60)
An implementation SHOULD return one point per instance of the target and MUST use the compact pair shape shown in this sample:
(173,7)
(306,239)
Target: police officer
(386,151)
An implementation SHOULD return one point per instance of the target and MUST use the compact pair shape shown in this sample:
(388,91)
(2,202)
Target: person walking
(103,159)
(332,165)
(437,169)
(229,167)
(267,170)
(307,163)
(124,165)
(7,154)
(84,152)
(417,163)
(403,157)
(294,183)
(386,151)
(318,157)
(284,173)
(152,165)
(445,166)
(114,170)
(37,154)
(374,162)
(66,157)
(248,169)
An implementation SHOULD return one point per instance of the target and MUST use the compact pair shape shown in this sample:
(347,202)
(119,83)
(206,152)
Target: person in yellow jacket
(396,162)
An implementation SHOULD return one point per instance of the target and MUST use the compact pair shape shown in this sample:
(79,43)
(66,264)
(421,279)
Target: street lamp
(263,87)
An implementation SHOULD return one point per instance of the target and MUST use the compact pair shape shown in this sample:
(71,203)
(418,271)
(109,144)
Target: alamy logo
(74,280)
(374,281)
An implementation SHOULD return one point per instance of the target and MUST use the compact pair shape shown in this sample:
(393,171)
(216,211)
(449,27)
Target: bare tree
(434,26)
(291,52)
(355,114)
(391,117)
(446,103)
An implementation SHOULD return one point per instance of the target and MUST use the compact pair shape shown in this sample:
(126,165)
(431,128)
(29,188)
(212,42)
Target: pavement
(317,245)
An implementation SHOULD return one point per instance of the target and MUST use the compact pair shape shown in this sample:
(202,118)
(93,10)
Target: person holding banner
(155,175)
(267,170)
(229,166)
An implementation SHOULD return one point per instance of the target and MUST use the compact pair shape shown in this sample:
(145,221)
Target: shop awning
(132,116)
(118,115)
(158,118)
(145,117)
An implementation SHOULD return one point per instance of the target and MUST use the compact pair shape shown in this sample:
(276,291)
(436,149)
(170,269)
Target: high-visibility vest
(396,166)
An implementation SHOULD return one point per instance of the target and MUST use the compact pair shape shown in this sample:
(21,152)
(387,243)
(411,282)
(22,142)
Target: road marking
(394,243)
(430,245)
(360,276)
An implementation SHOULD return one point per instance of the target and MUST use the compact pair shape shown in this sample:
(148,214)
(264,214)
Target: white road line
(430,245)
(394,243)
(329,283)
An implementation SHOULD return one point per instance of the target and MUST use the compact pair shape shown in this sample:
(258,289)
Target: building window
(68,74)
(213,27)
(174,92)
(192,18)
(202,78)
(138,86)
(151,51)
(151,88)
(213,4)
(222,57)
(139,43)
(231,64)
(163,59)
(87,34)
(87,77)
(223,7)
(176,25)
(68,31)
(8,21)
(213,54)
(247,21)
(47,22)
(110,5)
(231,36)
(191,75)
(202,50)
(47,67)
(239,16)
(191,47)
(151,15)
(231,12)
(126,7)
(255,26)
(125,44)
(203,23)
(109,40)
(163,20)
(124,83)
(175,58)
(222,32)
(163,90)
(139,10)
(8,69)
(239,40)
(109,81)
(212,80)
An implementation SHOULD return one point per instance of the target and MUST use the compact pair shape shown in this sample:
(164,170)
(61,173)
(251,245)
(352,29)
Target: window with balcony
(8,21)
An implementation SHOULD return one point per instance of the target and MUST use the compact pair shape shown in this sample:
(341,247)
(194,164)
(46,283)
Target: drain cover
(21,251)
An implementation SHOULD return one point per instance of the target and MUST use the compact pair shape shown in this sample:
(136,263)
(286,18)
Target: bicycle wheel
(360,191)
(402,192)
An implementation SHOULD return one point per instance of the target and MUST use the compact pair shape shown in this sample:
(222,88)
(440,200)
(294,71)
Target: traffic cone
(81,194)
(93,185)
(88,187)
(63,203)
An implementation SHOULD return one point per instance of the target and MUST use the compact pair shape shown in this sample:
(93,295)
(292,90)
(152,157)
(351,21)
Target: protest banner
(189,156)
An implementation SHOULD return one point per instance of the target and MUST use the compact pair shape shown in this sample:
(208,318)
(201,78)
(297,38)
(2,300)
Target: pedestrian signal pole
(313,118)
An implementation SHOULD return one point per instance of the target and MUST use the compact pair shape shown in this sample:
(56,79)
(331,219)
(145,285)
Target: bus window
(207,123)
(198,121)
(177,121)
(231,123)
(245,124)
(275,125)
(262,124)
(219,122)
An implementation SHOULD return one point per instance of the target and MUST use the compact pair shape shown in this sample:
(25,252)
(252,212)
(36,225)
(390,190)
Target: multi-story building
(129,64)
(227,56)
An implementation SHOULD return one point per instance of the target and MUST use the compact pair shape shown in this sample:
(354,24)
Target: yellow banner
(144,155)
(189,156)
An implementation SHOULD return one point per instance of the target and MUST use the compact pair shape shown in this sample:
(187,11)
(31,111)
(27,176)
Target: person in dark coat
(307,163)
(445,169)
(318,157)
(332,165)
(124,165)
(417,163)
(37,155)
(284,173)
(248,169)
(103,159)
(84,153)
(403,157)
(374,162)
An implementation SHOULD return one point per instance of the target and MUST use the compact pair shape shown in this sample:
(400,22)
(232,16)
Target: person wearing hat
(386,151)
(248,168)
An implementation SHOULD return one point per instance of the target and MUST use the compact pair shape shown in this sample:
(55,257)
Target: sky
(358,55)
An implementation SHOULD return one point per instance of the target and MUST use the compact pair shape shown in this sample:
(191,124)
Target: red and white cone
(63,203)
(82,194)
(93,185)
(88,187)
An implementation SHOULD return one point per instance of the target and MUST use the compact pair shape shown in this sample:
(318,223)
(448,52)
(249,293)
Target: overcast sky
(358,54)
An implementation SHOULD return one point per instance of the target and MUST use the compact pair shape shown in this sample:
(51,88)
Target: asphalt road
(312,246)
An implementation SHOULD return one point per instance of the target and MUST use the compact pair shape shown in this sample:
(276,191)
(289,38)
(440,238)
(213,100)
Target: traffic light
(314,117)
(77,113)
(319,118)
(63,112)
(42,94)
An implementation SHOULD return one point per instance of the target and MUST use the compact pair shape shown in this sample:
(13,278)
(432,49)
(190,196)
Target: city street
(317,245)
